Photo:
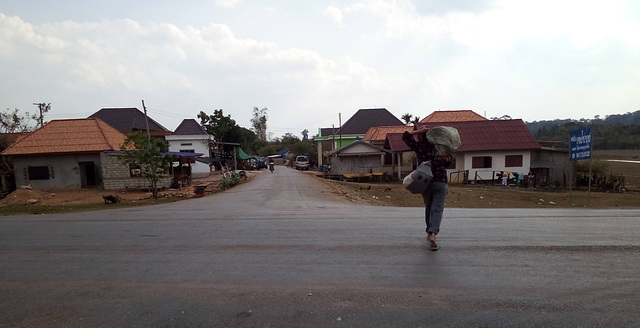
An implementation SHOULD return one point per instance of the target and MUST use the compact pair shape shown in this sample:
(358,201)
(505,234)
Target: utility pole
(146,118)
(154,185)
(43,109)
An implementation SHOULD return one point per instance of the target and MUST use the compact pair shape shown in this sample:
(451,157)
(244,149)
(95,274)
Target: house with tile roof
(452,116)
(73,154)
(191,137)
(129,120)
(353,129)
(488,147)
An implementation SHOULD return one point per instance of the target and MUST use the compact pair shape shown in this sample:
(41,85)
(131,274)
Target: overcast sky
(308,61)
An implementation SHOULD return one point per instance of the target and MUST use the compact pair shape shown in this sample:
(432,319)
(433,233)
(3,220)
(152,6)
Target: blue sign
(581,144)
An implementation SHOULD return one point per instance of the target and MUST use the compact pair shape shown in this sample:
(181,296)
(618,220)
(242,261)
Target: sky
(314,64)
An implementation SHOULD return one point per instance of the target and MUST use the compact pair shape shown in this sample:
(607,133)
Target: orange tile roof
(453,116)
(379,133)
(68,136)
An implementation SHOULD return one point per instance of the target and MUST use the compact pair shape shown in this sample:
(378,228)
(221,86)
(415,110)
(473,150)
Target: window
(481,162)
(513,161)
(38,172)
(388,159)
(186,144)
(135,170)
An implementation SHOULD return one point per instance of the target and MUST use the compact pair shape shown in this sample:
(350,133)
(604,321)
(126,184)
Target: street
(282,251)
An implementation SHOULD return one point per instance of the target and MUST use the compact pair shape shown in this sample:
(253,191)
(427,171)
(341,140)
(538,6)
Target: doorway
(88,174)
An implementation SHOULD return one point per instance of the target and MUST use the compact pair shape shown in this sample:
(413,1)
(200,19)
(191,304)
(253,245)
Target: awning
(242,155)
(183,154)
(169,153)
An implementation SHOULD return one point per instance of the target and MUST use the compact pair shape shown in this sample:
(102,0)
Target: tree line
(620,131)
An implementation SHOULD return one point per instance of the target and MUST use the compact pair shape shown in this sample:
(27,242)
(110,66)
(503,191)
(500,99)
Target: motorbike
(271,167)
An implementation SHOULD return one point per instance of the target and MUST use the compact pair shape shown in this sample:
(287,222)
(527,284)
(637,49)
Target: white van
(302,162)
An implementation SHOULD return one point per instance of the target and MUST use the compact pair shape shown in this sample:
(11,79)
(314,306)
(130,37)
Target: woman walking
(436,193)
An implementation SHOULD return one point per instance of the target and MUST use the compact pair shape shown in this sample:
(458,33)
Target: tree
(503,117)
(303,148)
(259,122)
(13,122)
(217,124)
(288,140)
(407,118)
(147,155)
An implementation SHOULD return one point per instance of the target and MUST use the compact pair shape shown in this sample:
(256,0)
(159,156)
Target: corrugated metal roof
(360,144)
(453,116)
(476,136)
(492,135)
(395,143)
(68,136)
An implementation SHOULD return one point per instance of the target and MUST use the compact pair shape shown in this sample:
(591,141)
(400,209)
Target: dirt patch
(27,195)
(474,196)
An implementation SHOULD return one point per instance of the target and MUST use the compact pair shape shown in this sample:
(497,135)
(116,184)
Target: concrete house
(191,137)
(488,148)
(73,154)
(400,161)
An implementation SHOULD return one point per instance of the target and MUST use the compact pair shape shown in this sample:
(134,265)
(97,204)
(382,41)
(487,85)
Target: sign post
(581,148)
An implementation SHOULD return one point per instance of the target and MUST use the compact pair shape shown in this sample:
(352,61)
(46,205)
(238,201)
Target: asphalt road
(281,251)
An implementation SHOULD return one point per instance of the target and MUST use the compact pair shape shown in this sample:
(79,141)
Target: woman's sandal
(432,241)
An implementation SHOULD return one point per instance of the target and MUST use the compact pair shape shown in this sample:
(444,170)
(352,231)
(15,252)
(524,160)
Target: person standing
(435,194)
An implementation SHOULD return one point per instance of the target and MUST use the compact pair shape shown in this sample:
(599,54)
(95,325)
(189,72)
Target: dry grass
(470,196)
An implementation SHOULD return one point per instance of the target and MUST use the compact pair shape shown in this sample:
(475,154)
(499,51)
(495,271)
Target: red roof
(68,136)
(490,135)
(452,116)
(395,143)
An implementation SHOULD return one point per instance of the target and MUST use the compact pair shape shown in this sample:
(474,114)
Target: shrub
(229,182)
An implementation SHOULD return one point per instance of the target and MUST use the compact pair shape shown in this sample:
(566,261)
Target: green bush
(229,182)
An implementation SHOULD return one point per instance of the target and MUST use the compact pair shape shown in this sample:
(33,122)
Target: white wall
(199,144)
(497,164)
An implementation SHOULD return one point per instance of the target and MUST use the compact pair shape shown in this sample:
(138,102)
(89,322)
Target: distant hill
(620,131)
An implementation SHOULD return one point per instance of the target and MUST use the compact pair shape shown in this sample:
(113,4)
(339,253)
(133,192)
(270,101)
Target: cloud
(119,62)
(228,3)
(335,14)
(385,54)
(584,23)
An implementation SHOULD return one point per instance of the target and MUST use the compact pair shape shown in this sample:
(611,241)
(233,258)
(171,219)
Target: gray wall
(64,170)
(116,176)
(355,164)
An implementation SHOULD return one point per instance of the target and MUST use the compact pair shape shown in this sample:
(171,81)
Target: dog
(109,199)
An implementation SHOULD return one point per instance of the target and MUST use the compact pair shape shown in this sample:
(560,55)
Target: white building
(191,137)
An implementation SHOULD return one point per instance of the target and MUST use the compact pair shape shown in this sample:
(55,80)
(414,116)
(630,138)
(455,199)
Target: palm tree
(407,118)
